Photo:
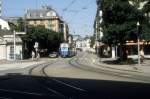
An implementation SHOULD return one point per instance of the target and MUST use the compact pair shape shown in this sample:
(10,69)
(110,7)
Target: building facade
(7,43)
(101,49)
(48,18)
(83,44)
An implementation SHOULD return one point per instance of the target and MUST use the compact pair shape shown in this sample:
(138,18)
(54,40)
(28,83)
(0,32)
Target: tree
(144,7)
(92,38)
(119,23)
(48,40)
(20,25)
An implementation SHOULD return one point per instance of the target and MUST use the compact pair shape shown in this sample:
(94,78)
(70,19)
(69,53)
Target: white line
(126,75)
(55,92)
(69,85)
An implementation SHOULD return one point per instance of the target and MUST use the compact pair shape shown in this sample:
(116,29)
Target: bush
(125,62)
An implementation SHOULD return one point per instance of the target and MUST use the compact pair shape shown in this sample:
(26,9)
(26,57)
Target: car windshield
(90,39)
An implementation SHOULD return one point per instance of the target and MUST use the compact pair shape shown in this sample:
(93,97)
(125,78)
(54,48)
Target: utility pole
(96,39)
(138,39)
(14,45)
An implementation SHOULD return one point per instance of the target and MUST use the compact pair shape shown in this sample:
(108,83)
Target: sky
(79,14)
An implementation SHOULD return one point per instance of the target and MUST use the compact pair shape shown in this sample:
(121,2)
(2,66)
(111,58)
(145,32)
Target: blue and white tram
(64,50)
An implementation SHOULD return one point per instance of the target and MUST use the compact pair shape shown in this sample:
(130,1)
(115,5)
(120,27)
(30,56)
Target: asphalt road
(58,79)
(61,67)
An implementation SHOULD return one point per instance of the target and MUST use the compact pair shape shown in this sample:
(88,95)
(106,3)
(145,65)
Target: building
(102,49)
(98,31)
(4,25)
(76,37)
(7,43)
(13,20)
(48,18)
(66,32)
(83,44)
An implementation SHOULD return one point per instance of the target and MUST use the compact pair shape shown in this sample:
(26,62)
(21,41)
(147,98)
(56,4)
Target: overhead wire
(82,9)
(85,7)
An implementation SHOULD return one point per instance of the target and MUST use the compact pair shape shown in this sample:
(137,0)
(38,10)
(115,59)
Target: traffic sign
(20,32)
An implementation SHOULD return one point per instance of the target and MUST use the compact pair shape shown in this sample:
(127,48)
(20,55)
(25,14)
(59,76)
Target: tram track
(53,84)
(41,70)
(74,62)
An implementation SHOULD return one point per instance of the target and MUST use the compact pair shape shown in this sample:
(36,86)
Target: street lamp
(138,39)
(140,7)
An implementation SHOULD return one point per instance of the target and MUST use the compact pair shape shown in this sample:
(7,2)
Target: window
(41,15)
(34,22)
(11,49)
(28,15)
(51,13)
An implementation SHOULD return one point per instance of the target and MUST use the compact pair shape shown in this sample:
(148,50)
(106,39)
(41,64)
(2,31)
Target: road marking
(58,93)
(69,85)
(125,75)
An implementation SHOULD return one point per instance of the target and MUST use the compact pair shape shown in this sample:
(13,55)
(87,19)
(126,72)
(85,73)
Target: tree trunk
(124,52)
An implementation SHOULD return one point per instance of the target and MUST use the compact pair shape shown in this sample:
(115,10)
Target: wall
(18,52)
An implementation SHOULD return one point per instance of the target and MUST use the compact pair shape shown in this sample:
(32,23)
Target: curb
(106,66)
(103,65)
(109,72)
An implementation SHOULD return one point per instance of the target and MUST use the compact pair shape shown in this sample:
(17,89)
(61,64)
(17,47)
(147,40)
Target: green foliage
(92,41)
(119,21)
(47,39)
(20,25)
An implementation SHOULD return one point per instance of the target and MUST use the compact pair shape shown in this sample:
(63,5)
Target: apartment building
(47,17)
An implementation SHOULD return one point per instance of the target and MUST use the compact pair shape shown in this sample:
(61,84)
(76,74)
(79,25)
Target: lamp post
(14,45)
(140,7)
(138,41)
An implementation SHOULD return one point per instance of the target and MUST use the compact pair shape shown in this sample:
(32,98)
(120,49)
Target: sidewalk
(142,68)
(94,62)
(6,65)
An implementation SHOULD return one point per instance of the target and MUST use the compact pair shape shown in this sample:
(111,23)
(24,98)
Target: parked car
(54,55)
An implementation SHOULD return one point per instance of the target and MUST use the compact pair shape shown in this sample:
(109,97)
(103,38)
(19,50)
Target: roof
(45,12)
(12,19)
(4,24)
(10,39)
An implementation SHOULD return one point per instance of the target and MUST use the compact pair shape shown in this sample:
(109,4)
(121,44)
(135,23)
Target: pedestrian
(38,56)
(142,55)
(33,55)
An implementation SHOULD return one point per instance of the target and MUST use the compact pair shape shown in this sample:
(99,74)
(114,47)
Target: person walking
(38,56)
(142,55)
(33,55)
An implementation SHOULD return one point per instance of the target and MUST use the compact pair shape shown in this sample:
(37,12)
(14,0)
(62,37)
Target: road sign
(20,32)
